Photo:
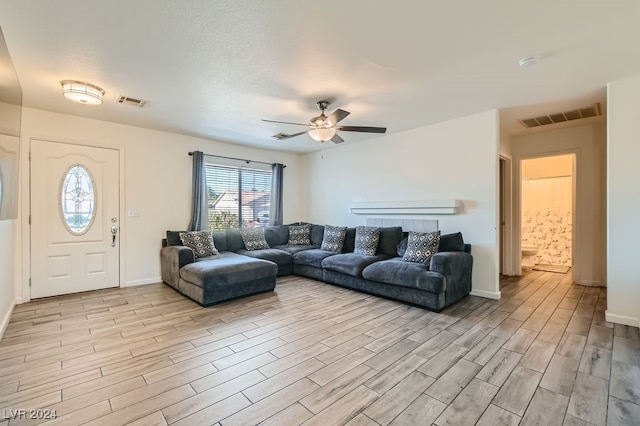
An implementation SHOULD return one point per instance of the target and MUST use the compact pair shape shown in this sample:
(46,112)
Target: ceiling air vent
(125,100)
(560,117)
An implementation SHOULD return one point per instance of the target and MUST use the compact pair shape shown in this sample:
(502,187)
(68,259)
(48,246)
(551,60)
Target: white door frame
(517,209)
(506,235)
(25,294)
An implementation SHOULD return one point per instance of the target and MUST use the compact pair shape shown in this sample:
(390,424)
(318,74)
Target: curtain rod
(238,159)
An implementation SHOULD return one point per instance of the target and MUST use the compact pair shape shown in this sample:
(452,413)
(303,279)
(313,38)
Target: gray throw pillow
(200,242)
(333,239)
(299,235)
(421,247)
(367,238)
(253,238)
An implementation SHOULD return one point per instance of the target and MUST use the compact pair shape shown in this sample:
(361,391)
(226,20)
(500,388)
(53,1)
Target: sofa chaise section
(213,279)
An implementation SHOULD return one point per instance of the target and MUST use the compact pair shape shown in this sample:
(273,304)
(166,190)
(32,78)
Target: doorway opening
(547,213)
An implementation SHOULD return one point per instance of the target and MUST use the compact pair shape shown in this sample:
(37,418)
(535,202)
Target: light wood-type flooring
(313,353)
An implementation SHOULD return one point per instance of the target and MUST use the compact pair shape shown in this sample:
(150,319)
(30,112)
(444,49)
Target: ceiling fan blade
(336,139)
(281,136)
(362,129)
(286,122)
(337,115)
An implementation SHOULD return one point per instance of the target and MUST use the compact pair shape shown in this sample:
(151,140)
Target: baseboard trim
(495,295)
(145,281)
(621,319)
(587,283)
(6,319)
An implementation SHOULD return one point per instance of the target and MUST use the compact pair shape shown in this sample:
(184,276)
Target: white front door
(74,218)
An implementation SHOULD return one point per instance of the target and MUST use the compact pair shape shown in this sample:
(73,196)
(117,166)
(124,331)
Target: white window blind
(239,196)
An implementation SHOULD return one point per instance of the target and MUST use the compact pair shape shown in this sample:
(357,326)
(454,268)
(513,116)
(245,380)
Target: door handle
(114,231)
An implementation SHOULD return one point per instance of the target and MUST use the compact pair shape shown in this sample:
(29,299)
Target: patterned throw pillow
(200,242)
(253,238)
(367,238)
(299,235)
(421,247)
(333,239)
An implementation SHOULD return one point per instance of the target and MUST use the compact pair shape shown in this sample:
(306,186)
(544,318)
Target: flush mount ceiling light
(81,92)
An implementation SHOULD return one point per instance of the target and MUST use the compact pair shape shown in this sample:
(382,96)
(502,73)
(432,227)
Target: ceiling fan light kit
(323,128)
(82,92)
(322,134)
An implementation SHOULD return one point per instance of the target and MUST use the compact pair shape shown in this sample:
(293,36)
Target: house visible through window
(239,196)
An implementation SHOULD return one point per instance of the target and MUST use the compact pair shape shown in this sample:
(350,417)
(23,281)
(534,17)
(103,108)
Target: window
(239,196)
(77,200)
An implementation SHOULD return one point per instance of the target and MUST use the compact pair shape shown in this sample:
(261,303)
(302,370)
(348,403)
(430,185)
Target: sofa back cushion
(276,235)
(349,241)
(452,242)
(173,238)
(220,240)
(317,233)
(234,240)
(389,239)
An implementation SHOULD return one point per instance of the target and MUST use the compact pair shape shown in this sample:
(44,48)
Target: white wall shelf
(406,207)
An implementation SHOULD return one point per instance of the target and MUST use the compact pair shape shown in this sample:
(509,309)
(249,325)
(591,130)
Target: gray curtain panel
(275,213)
(199,219)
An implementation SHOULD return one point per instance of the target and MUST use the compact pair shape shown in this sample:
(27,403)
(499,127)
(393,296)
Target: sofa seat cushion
(351,263)
(312,257)
(226,269)
(405,274)
(276,256)
(295,248)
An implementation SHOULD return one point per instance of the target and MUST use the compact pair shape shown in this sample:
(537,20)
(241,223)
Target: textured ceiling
(216,68)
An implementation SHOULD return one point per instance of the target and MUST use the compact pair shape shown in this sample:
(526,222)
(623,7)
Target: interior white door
(74,218)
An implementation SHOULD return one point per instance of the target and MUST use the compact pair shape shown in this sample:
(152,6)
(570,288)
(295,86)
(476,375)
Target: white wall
(7,273)
(623,201)
(454,159)
(588,142)
(157,173)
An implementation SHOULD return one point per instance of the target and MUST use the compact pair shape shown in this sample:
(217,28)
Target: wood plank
(424,410)
(272,405)
(449,385)
(392,403)
(622,412)
(538,356)
(589,399)
(467,408)
(196,402)
(498,369)
(596,361)
(345,408)
(337,388)
(496,416)
(625,382)
(517,391)
(560,375)
(546,408)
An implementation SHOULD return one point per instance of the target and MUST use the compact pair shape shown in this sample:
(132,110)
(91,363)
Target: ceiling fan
(324,127)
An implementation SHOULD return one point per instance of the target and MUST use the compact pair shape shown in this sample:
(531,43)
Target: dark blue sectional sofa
(236,271)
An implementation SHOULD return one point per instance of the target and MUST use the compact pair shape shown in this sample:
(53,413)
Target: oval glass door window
(78,200)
